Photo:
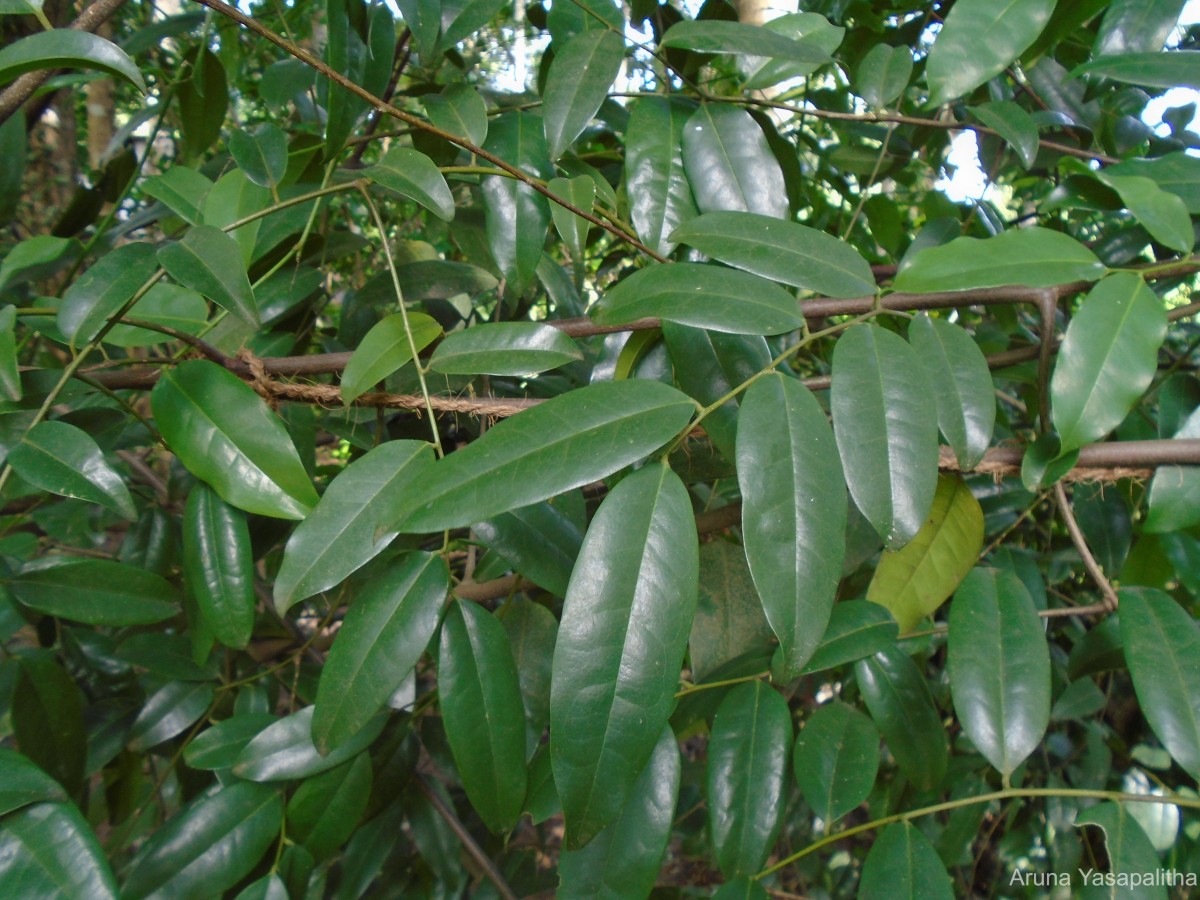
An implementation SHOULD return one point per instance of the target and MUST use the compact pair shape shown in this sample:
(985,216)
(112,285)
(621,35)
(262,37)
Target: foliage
(414,488)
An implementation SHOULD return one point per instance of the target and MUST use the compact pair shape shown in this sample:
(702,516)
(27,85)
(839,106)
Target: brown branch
(14,96)
(469,844)
(1093,568)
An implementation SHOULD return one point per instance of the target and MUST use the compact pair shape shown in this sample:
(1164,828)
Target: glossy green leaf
(911,583)
(729,164)
(96,592)
(67,48)
(104,289)
(226,436)
(903,865)
(218,747)
(1013,124)
(569,19)
(346,52)
(898,698)
(344,531)
(482,711)
(10,376)
(741,889)
(540,542)
(219,565)
(1161,213)
(1178,173)
(532,631)
(261,154)
(747,769)
(660,196)
(714,36)
(210,845)
(886,430)
(517,216)
(35,258)
(182,190)
(269,887)
(1130,852)
(857,629)
(208,261)
(504,348)
(782,251)
(580,76)
(326,809)
(1034,257)
(23,783)
(384,349)
(1174,497)
(808,28)
(1107,359)
(528,457)
(164,304)
(580,192)
(1044,463)
(836,760)
(620,645)
(883,74)
(964,396)
(1172,69)
(729,621)
(50,850)
(793,512)
(459,110)
(1162,650)
(385,631)
(709,297)
(978,41)
(65,460)
(285,749)
(232,198)
(412,174)
(46,714)
(999,666)
(624,859)
(169,711)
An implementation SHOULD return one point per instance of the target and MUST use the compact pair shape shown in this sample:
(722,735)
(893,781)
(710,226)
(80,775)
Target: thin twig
(469,844)
(1089,561)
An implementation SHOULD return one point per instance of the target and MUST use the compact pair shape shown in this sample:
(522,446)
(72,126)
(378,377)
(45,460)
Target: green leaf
(883,74)
(532,631)
(326,809)
(808,28)
(999,667)
(1178,173)
(709,297)
(209,261)
(95,592)
(729,164)
(729,621)
(344,532)
(624,859)
(886,430)
(46,713)
(539,541)
(856,630)
(1174,497)
(269,887)
(385,631)
(747,769)
(1130,852)
(660,197)
(1132,26)
(1013,124)
(517,216)
(261,154)
(285,749)
(1107,359)
(49,850)
(580,192)
(64,460)
(346,52)
(226,436)
(482,711)
(35,258)
(1162,650)
(529,457)
(164,304)
(1034,257)
(620,645)
(1044,463)
(10,376)
(459,110)
(793,512)
(911,583)
(169,711)
(412,174)
(219,565)
(964,396)
(1161,213)
(103,289)
(67,48)
(1172,69)
(898,698)
(504,348)
(232,198)
(714,36)
(218,747)
(580,75)
(210,845)
(23,783)
(569,19)
(903,865)
(384,349)
(836,760)
(782,251)
(182,190)
(741,889)
(978,41)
